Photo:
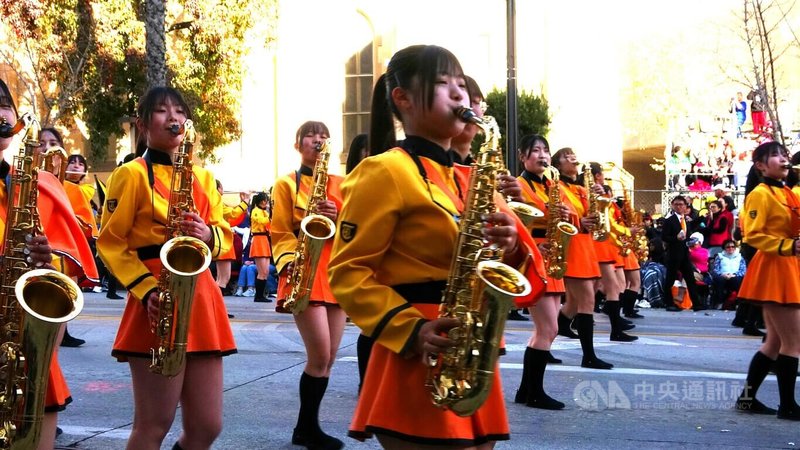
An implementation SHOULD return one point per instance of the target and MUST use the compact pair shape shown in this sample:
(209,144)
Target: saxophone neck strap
(199,197)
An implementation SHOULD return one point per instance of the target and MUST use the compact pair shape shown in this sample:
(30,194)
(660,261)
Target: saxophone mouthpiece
(7,130)
(466,114)
(176,129)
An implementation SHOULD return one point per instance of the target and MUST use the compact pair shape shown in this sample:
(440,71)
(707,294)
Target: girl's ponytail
(381,125)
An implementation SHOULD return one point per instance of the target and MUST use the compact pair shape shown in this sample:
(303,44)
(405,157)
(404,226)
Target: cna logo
(591,394)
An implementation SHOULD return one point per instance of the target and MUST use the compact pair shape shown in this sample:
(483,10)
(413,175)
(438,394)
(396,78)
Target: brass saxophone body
(480,291)
(598,206)
(183,259)
(315,230)
(559,233)
(638,241)
(34,303)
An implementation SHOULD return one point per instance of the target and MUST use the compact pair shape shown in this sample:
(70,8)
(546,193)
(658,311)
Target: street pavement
(674,388)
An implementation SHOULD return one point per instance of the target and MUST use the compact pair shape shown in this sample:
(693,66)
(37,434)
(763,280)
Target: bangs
(435,61)
(5,96)
(311,127)
(161,96)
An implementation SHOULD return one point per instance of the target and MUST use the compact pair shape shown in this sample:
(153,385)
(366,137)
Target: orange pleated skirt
(395,402)
(631,262)
(581,258)
(209,328)
(320,290)
(57,396)
(772,279)
(607,252)
(553,286)
(259,247)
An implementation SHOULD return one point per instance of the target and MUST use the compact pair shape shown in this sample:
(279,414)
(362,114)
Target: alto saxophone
(559,233)
(480,291)
(598,206)
(183,259)
(315,230)
(34,303)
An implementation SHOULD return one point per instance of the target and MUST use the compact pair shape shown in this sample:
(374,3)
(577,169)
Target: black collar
(154,156)
(305,170)
(5,169)
(457,158)
(416,145)
(773,182)
(568,180)
(532,177)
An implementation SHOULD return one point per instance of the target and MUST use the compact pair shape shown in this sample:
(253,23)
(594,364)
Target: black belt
(149,252)
(260,234)
(429,292)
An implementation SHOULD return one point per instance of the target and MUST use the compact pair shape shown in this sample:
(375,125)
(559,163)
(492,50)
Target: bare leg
(155,399)
(201,402)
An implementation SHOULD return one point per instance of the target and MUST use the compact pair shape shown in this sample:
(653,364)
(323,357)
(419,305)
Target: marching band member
(234,215)
(611,264)
(771,224)
(391,257)
(583,269)
(131,235)
(260,249)
(62,248)
(534,152)
(321,325)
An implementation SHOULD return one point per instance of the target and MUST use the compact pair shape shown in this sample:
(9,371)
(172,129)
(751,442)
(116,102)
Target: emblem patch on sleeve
(753,214)
(111,204)
(347,231)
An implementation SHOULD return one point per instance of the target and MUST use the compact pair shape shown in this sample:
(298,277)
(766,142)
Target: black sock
(363,350)
(260,286)
(537,398)
(522,392)
(628,301)
(584,323)
(786,371)
(756,373)
(307,432)
(564,326)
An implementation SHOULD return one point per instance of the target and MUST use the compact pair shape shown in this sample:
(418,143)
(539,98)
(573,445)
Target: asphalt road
(673,388)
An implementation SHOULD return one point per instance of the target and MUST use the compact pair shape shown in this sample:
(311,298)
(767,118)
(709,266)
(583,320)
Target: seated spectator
(727,273)
(718,225)
(246,286)
(698,255)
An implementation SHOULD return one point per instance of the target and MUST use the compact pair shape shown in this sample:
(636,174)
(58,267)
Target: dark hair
(679,198)
(258,198)
(141,145)
(728,241)
(414,69)
(528,141)
(56,134)
(717,203)
(557,156)
(218,183)
(158,96)
(6,98)
(313,127)
(79,157)
(473,90)
(356,152)
(128,158)
(761,154)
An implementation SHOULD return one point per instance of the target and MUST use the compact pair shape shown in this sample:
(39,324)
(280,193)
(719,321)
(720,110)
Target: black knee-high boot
(307,432)
(363,350)
(584,323)
(537,398)
(261,285)
(628,299)
(617,331)
(522,391)
(564,326)
(759,368)
(786,371)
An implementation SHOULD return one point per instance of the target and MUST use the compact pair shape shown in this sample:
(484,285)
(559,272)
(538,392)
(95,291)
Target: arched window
(358,94)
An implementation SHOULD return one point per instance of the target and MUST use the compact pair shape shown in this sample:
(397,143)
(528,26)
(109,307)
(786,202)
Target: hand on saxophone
(509,187)
(566,214)
(194,226)
(500,229)
(153,304)
(328,209)
(40,254)
(589,222)
(598,189)
(432,337)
